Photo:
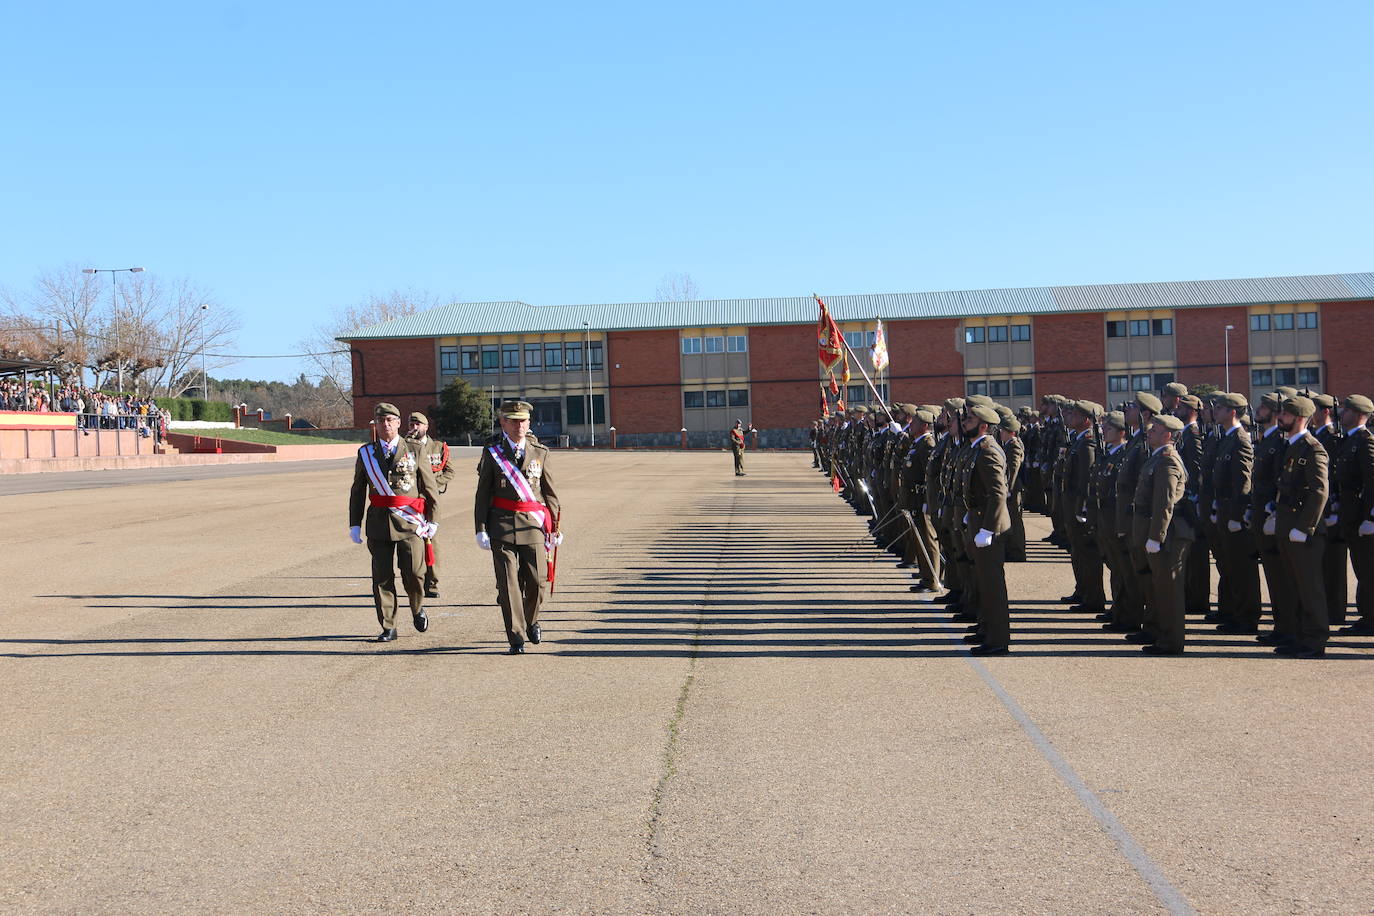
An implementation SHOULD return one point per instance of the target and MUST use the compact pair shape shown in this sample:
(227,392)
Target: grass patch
(262,436)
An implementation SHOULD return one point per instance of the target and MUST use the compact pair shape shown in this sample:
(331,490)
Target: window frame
(1017,386)
(556,364)
(1139,327)
(1020,333)
(689,396)
(507,351)
(1261,378)
(732,347)
(715,397)
(975,335)
(538,364)
(1282,321)
(596,358)
(714,344)
(737,397)
(1259,323)
(470,360)
(1117,329)
(691,346)
(1162,327)
(1119,382)
(572,356)
(998,333)
(1307,321)
(448,366)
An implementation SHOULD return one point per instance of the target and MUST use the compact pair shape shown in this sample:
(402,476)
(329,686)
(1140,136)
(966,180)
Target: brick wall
(784,387)
(645,370)
(1070,355)
(399,371)
(1200,346)
(926,368)
(1348,365)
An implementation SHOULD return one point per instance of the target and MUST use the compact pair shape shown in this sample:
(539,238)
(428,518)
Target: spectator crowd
(94,409)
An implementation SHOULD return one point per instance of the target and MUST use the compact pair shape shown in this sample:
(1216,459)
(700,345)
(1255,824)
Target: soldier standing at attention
(1140,413)
(1084,556)
(1300,501)
(1336,558)
(1198,593)
(516,511)
(1008,433)
(1269,446)
(394,483)
(1165,536)
(984,488)
(924,544)
(1355,514)
(1238,607)
(436,450)
(1102,518)
(737,446)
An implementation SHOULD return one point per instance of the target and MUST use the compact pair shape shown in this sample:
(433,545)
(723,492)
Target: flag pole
(850,350)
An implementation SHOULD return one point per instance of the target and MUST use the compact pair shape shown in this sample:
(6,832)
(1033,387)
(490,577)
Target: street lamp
(1227,335)
(114,307)
(587,357)
(204,378)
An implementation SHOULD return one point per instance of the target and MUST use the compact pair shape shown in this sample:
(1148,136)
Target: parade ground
(738,707)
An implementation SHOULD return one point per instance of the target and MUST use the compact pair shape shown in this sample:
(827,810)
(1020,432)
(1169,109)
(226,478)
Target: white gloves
(428,529)
(1152,546)
(894,426)
(1297,537)
(483,540)
(1081,519)
(1233,526)
(1366,528)
(1271,525)
(983,538)
(557,538)
(1331,521)
(356,533)
(925,510)
(1214,518)
(965,518)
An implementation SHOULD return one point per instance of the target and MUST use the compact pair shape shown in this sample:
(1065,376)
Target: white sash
(407,514)
(524,490)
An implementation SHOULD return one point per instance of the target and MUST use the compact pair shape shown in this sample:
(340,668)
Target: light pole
(591,427)
(114,307)
(1229,329)
(204,378)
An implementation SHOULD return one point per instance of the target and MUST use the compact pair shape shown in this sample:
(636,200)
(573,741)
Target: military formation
(1146,497)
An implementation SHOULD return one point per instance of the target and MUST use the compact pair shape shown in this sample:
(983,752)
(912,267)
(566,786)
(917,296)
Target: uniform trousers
(1016,537)
(1362,561)
(1086,560)
(1145,581)
(409,554)
(1238,590)
(1114,555)
(1283,603)
(521,585)
(990,569)
(1198,576)
(1334,563)
(970,585)
(954,580)
(1304,622)
(739,460)
(925,548)
(1168,585)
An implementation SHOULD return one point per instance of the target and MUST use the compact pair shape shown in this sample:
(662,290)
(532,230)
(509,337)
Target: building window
(736,343)
(553,357)
(572,356)
(1020,332)
(715,345)
(692,399)
(577,409)
(997,333)
(857,340)
(510,357)
(1116,329)
(470,360)
(533,357)
(1259,322)
(691,345)
(999,388)
(974,335)
(1162,379)
(1261,378)
(857,394)
(739,397)
(1163,327)
(977,387)
(448,359)
(1141,382)
(1118,383)
(715,398)
(1307,321)
(1311,376)
(1140,328)
(1021,387)
(491,358)
(594,355)
(1283,321)
(1287,377)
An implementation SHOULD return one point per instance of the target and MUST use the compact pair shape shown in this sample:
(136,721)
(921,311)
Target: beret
(1010,423)
(1273,399)
(1170,422)
(985,414)
(1299,406)
(1003,411)
(1115,418)
(953,404)
(980,399)
(924,414)
(1324,401)
(1191,400)
(1359,403)
(418,417)
(1176,388)
(1090,409)
(1148,401)
(384,409)
(1231,399)
(1286,390)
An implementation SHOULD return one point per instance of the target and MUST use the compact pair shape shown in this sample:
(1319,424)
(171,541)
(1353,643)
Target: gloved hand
(1082,519)
(1366,528)
(1297,537)
(1214,518)
(1233,526)
(1271,524)
(483,540)
(925,510)
(428,529)
(356,533)
(965,518)
(557,538)
(1152,546)
(894,426)
(983,538)
(1331,520)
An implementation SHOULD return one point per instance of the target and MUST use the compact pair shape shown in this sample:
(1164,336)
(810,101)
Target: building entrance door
(547,421)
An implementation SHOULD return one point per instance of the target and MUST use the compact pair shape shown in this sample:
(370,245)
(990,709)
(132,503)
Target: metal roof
(523,318)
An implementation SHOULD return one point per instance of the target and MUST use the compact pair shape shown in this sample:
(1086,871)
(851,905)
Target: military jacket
(408,472)
(1265,480)
(1127,476)
(1302,485)
(983,483)
(1207,462)
(1015,451)
(934,494)
(504,524)
(1232,476)
(1158,493)
(1353,472)
(1078,464)
(436,450)
(1331,440)
(1102,490)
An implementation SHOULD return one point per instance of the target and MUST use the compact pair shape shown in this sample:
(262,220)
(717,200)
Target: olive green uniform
(391,542)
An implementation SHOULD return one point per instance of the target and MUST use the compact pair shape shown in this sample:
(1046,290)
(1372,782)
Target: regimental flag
(831,350)
(879,348)
(825,405)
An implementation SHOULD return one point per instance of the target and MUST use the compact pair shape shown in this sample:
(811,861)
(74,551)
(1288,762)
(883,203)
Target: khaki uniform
(1155,517)
(390,541)
(1335,558)
(1133,604)
(1198,578)
(924,545)
(1084,555)
(1015,451)
(1264,485)
(1238,590)
(984,476)
(737,446)
(1300,498)
(935,503)
(518,554)
(436,451)
(1353,472)
(1102,520)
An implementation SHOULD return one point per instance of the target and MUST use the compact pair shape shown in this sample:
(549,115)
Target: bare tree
(192,328)
(677,288)
(330,362)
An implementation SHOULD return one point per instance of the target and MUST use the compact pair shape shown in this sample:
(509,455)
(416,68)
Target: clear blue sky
(296,157)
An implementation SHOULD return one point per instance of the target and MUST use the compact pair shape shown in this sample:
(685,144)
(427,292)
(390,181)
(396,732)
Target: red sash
(405,502)
(511,505)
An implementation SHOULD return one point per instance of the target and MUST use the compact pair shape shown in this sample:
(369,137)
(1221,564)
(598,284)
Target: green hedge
(197,409)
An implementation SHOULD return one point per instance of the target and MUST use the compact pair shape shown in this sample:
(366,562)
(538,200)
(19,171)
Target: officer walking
(394,484)
(436,450)
(516,513)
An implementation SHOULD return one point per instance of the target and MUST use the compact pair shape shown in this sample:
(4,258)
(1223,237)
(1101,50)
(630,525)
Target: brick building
(651,370)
